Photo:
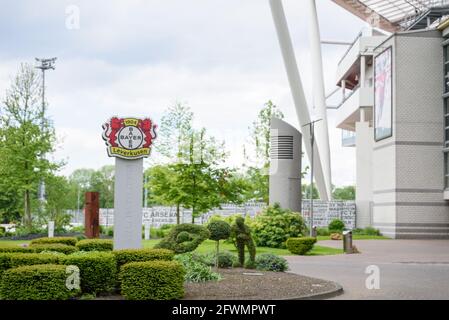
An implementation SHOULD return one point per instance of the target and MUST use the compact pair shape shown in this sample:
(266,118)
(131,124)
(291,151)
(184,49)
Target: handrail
(350,47)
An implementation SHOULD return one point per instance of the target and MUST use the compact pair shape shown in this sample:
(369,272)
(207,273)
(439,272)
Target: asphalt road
(408,269)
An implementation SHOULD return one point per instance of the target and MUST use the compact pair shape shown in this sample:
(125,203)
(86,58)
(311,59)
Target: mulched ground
(239,284)
(244,284)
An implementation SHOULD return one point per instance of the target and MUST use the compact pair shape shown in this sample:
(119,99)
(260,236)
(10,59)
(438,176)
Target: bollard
(347,241)
(314,232)
(51,229)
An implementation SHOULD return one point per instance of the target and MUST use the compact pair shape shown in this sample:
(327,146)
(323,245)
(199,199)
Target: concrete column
(343,90)
(364,186)
(128,203)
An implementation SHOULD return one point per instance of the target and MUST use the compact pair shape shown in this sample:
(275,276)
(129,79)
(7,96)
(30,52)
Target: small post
(147,230)
(92,215)
(51,229)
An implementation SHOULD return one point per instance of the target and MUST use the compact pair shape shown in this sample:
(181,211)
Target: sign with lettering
(129,138)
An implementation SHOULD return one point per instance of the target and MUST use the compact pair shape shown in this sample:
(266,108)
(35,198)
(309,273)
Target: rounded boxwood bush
(58,247)
(271,262)
(70,241)
(226,259)
(37,282)
(139,255)
(95,245)
(300,245)
(336,226)
(152,280)
(97,270)
(219,230)
(197,234)
(5,249)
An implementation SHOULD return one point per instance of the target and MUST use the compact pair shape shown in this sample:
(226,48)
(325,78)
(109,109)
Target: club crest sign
(129,138)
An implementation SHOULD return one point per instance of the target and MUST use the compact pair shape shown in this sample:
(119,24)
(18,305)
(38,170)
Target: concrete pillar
(285,165)
(92,215)
(343,90)
(364,186)
(128,198)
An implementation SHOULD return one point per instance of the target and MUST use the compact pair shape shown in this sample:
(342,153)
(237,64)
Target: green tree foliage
(26,137)
(275,225)
(219,230)
(305,188)
(344,193)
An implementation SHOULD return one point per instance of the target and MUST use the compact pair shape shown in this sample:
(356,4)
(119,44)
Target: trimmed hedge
(30,259)
(58,247)
(5,262)
(139,255)
(70,241)
(37,282)
(5,249)
(97,270)
(300,245)
(95,245)
(190,237)
(152,280)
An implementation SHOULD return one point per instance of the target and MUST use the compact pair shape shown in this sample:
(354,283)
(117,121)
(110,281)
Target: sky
(138,57)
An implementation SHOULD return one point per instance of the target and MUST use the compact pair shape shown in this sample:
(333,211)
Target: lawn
(357,237)
(209,246)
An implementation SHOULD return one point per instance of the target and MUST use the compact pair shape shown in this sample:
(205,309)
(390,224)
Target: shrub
(195,269)
(139,255)
(197,234)
(58,247)
(336,226)
(368,231)
(5,249)
(153,280)
(37,282)
(226,259)
(271,262)
(322,232)
(70,241)
(97,270)
(95,245)
(5,262)
(29,259)
(300,245)
(275,225)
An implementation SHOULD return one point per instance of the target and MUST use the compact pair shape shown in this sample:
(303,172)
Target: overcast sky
(137,57)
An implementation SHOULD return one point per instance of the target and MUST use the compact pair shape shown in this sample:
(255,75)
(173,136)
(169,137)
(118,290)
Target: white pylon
(299,99)
(319,95)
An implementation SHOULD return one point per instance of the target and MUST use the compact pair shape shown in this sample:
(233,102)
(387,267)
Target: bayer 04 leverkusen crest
(129,138)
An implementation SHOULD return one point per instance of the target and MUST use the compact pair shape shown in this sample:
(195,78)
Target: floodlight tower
(44,65)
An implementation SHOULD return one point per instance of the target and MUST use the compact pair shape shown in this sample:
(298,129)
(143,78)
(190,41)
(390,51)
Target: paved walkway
(409,269)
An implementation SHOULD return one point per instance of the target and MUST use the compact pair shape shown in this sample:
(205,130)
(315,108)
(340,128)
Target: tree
(305,188)
(174,131)
(344,193)
(26,136)
(102,181)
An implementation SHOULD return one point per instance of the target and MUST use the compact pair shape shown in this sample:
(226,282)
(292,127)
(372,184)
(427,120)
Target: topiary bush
(226,259)
(241,234)
(271,262)
(6,249)
(139,255)
(37,282)
(275,225)
(95,245)
(97,270)
(219,230)
(58,247)
(336,226)
(196,268)
(197,234)
(322,232)
(152,280)
(300,246)
(70,241)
